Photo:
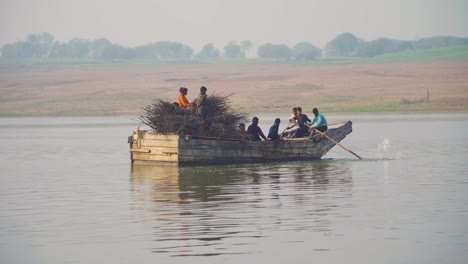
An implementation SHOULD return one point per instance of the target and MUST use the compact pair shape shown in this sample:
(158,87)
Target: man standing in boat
(200,102)
(254,131)
(321,125)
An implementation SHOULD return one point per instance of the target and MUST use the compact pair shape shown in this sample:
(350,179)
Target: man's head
(255,120)
(277,121)
(203,90)
(294,110)
(315,111)
(242,126)
(299,110)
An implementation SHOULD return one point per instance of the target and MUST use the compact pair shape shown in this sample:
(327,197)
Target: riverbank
(123,89)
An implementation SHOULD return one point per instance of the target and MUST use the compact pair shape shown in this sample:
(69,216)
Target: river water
(68,194)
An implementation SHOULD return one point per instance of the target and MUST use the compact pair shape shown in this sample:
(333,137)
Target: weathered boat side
(172,149)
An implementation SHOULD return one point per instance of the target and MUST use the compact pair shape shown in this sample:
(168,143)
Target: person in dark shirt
(273,133)
(302,120)
(254,131)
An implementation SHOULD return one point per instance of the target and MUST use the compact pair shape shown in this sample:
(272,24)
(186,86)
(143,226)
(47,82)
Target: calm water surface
(68,194)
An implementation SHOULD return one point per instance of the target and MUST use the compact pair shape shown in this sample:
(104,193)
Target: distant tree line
(348,45)
(44,45)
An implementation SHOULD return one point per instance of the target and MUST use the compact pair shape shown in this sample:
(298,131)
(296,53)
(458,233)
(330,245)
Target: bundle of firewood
(220,121)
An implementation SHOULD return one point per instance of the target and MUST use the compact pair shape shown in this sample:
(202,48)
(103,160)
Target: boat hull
(146,147)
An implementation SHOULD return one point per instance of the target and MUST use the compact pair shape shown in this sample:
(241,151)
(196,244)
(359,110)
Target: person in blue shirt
(273,133)
(321,125)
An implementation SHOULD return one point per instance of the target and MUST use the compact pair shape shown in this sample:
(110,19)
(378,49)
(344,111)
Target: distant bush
(343,45)
(276,51)
(306,51)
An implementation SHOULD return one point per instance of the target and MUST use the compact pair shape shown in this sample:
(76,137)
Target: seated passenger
(292,127)
(254,131)
(273,133)
(242,132)
(183,102)
(302,120)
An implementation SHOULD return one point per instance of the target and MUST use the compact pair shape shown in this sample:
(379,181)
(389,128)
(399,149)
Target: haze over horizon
(195,23)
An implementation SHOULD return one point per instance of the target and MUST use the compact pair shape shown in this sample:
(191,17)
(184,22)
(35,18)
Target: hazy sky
(197,22)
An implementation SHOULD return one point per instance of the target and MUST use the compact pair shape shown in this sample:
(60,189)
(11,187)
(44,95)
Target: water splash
(386,151)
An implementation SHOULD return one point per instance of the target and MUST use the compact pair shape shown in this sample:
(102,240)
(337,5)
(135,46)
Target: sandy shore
(123,89)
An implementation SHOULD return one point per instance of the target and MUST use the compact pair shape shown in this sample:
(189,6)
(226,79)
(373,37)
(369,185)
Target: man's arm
(261,133)
(313,121)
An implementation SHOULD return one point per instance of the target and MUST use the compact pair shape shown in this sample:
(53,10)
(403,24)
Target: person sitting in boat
(273,133)
(242,132)
(321,121)
(183,102)
(200,102)
(302,120)
(254,131)
(291,128)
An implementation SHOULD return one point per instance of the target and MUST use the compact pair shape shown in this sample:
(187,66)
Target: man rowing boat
(301,120)
(321,121)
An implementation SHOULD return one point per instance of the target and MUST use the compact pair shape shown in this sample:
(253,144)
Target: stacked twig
(166,118)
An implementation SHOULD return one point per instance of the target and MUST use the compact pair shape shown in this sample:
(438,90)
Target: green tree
(18,50)
(42,43)
(305,51)
(60,50)
(382,46)
(277,51)
(36,46)
(78,48)
(180,51)
(97,46)
(172,50)
(118,52)
(342,45)
(208,52)
(147,51)
(233,50)
(439,42)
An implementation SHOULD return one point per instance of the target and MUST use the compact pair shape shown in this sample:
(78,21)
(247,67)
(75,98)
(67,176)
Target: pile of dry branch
(165,117)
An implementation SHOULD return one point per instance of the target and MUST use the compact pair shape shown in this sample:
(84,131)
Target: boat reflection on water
(182,184)
(215,210)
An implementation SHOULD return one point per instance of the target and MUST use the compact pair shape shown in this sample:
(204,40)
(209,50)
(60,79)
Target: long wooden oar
(334,141)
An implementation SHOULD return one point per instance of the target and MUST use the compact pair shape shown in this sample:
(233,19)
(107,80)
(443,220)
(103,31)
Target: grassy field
(379,84)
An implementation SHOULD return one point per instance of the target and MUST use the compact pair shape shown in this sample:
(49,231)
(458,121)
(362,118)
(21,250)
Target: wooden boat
(146,147)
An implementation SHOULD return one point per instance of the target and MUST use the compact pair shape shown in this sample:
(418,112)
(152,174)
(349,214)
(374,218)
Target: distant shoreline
(285,112)
(46,90)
